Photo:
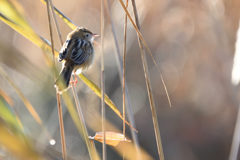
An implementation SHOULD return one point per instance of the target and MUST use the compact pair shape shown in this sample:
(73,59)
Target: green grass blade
(17,27)
(16,143)
(14,10)
(12,14)
(6,113)
(12,136)
(23,98)
(28,105)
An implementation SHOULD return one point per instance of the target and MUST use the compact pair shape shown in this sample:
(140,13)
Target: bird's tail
(62,81)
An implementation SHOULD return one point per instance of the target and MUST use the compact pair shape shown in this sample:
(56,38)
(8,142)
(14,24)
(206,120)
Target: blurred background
(193,43)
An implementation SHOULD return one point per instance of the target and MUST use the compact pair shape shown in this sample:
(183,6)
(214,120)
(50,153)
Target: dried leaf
(112,138)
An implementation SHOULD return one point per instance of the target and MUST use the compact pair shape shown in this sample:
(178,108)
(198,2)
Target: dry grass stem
(104,149)
(124,75)
(62,133)
(119,65)
(63,17)
(120,72)
(56,23)
(149,88)
(92,153)
(145,44)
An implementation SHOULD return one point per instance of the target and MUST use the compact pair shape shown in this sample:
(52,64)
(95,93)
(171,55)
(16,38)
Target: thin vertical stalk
(56,23)
(104,149)
(91,147)
(124,76)
(149,88)
(51,36)
(84,132)
(62,133)
(120,72)
(145,44)
(63,17)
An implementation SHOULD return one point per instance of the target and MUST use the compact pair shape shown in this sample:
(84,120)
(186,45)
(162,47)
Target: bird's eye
(87,35)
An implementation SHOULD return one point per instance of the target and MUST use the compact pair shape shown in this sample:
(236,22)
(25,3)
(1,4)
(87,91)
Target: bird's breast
(85,65)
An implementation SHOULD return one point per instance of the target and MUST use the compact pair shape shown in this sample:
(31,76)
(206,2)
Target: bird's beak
(95,35)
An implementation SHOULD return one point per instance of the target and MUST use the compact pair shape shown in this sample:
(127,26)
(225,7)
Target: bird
(78,54)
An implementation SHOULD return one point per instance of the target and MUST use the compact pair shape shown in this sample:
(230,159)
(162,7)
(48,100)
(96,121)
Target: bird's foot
(75,81)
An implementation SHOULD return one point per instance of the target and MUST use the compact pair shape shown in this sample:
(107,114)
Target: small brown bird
(78,53)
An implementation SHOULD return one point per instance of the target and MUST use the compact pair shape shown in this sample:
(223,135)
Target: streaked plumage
(78,53)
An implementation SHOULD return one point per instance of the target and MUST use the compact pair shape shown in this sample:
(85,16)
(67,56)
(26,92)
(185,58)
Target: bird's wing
(81,51)
(64,50)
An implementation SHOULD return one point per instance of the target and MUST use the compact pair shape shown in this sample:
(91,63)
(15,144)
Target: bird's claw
(74,82)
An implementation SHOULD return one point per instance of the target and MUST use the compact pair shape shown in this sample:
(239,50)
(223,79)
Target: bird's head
(86,34)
